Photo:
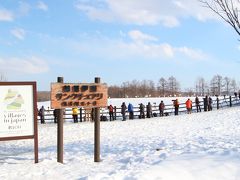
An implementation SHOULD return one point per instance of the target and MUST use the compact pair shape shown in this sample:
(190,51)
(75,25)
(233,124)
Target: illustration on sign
(13,100)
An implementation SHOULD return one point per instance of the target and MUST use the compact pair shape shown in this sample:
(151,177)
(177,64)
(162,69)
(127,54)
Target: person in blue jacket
(130,110)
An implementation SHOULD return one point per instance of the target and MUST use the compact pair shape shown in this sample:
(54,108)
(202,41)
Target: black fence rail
(87,114)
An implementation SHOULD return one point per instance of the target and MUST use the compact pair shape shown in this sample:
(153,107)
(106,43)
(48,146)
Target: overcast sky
(117,40)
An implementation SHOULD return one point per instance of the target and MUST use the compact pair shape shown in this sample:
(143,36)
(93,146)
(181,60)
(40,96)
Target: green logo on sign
(13,100)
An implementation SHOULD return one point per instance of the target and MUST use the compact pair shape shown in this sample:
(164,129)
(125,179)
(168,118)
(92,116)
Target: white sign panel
(16,110)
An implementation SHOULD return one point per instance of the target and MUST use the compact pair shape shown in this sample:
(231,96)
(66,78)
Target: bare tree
(2,77)
(124,89)
(162,86)
(152,89)
(201,87)
(114,92)
(173,86)
(133,88)
(147,88)
(189,92)
(216,85)
(228,10)
(233,86)
(226,84)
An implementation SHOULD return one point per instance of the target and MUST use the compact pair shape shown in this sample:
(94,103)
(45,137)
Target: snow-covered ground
(136,101)
(201,146)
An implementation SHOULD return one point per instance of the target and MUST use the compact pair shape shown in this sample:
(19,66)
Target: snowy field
(204,146)
(136,101)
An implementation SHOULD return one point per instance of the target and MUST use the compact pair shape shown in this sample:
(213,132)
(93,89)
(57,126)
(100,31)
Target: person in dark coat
(205,103)
(161,108)
(141,109)
(130,110)
(235,94)
(149,110)
(197,103)
(123,111)
(42,114)
(210,104)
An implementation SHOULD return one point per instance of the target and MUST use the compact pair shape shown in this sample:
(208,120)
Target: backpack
(176,103)
(161,106)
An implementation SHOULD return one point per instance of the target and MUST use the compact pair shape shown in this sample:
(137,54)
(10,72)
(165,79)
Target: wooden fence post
(205,103)
(80,113)
(115,113)
(60,130)
(230,101)
(97,130)
(217,103)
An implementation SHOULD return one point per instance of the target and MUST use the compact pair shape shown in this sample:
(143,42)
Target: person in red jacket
(161,108)
(176,106)
(110,108)
(189,106)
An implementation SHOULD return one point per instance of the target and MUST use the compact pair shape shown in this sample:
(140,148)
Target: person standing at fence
(235,94)
(123,111)
(161,108)
(149,110)
(75,114)
(110,109)
(210,104)
(197,103)
(48,110)
(189,106)
(130,110)
(176,106)
(55,115)
(205,103)
(42,114)
(141,109)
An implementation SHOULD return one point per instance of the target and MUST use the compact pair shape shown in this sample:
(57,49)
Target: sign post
(18,112)
(86,95)
(97,130)
(60,130)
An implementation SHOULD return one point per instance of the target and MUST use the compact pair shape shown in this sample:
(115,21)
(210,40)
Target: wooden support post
(115,113)
(60,130)
(80,114)
(97,130)
(217,103)
(230,101)
(35,123)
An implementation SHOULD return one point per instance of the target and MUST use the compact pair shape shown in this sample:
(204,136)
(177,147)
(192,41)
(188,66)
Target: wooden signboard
(18,112)
(68,95)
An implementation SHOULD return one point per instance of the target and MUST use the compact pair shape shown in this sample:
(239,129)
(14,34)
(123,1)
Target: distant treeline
(218,85)
(43,96)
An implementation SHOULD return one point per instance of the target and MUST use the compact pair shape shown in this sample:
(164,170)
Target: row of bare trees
(2,77)
(165,87)
(145,88)
(218,85)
